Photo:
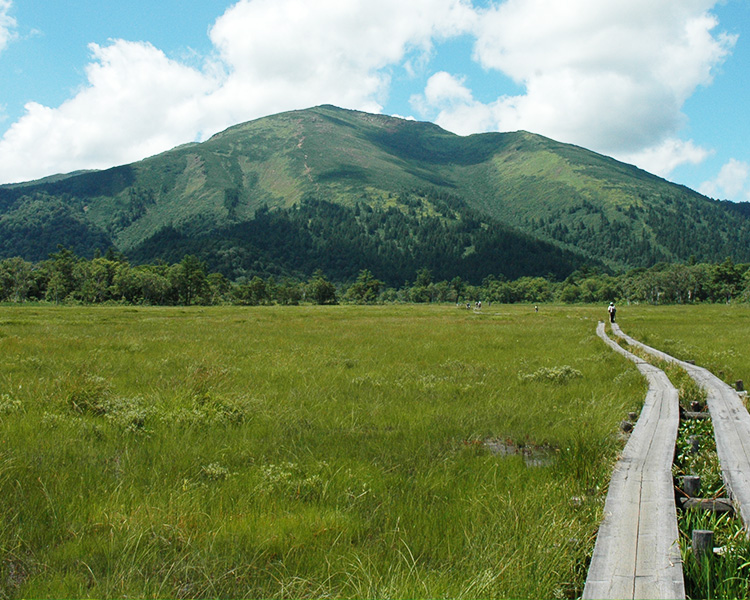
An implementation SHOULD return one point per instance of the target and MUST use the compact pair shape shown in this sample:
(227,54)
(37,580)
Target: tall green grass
(303,451)
(715,336)
(722,575)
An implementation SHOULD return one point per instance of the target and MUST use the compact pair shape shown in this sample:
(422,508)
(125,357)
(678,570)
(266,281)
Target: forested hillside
(344,190)
(442,235)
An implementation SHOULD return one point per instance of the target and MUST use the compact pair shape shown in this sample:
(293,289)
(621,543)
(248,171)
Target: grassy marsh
(715,336)
(303,451)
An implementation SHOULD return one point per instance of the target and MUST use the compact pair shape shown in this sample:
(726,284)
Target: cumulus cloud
(137,102)
(663,158)
(270,56)
(285,54)
(7,24)
(443,90)
(458,111)
(731,182)
(611,76)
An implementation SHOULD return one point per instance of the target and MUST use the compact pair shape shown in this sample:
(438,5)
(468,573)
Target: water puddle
(533,456)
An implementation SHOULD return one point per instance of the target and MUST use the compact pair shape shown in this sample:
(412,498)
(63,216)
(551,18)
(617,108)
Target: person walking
(611,310)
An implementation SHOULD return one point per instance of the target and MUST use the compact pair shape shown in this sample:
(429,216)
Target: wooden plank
(634,555)
(731,423)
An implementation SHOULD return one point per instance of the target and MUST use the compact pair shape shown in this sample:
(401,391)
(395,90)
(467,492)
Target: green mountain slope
(345,190)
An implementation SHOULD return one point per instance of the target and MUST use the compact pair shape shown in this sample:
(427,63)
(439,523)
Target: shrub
(557,375)
(87,393)
(9,405)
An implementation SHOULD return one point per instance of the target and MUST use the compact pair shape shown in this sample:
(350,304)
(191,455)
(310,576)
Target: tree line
(110,278)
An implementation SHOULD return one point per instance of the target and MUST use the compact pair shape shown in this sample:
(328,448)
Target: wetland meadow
(318,451)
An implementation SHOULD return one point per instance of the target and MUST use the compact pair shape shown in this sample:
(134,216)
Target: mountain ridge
(585,206)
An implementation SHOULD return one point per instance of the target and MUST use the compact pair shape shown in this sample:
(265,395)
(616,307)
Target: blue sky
(659,83)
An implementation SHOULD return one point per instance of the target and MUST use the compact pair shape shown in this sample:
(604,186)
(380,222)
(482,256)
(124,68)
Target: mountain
(344,190)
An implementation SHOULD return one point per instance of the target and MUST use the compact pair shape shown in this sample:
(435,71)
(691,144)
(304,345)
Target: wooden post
(702,416)
(703,543)
(714,505)
(739,385)
(691,485)
(694,444)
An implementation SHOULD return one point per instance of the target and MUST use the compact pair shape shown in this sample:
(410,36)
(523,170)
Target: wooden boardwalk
(637,553)
(731,423)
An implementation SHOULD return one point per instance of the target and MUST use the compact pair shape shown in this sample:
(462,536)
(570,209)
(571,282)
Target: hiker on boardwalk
(611,310)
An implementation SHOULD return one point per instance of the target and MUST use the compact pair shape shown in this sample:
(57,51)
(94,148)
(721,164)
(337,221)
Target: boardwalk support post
(691,485)
(703,543)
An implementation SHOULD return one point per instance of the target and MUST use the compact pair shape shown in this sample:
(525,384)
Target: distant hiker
(611,310)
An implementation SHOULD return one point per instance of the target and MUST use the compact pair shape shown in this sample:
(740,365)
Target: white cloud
(611,76)
(458,111)
(7,24)
(731,182)
(271,56)
(285,54)
(137,102)
(663,158)
(443,90)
